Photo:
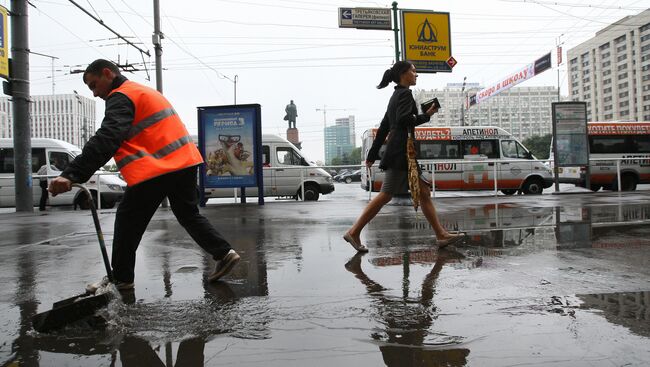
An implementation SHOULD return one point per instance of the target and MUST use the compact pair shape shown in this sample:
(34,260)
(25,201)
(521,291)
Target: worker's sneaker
(224,266)
(121,286)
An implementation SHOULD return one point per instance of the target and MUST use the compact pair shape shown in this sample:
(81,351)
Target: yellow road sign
(426,40)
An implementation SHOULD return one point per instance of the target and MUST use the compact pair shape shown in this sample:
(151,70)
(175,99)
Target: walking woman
(401,118)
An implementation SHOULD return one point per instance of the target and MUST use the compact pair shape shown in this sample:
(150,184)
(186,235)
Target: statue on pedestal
(292,113)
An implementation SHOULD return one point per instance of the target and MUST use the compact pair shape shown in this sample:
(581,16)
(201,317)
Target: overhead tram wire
(127,24)
(72,33)
(194,57)
(573,5)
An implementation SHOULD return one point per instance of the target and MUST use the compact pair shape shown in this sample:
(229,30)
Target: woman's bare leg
(429,212)
(370,211)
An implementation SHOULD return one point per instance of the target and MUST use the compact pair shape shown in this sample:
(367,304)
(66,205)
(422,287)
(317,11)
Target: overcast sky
(293,49)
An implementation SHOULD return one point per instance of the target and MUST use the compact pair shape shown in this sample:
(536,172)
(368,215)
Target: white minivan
(469,155)
(281,178)
(55,154)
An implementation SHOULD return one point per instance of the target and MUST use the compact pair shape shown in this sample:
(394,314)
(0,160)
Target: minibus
(55,154)
(467,158)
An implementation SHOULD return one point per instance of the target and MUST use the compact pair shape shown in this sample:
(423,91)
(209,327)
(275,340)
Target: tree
(539,145)
(355,156)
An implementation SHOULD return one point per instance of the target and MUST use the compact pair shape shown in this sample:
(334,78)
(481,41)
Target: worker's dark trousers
(140,203)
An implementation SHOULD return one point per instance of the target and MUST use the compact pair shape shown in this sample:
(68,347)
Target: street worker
(400,119)
(157,159)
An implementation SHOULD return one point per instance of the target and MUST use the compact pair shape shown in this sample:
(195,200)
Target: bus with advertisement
(467,155)
(627,141)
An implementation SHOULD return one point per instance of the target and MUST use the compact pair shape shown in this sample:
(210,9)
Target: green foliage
(353,158)
(538,145)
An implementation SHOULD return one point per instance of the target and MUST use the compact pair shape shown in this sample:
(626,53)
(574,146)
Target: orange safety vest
(158,142)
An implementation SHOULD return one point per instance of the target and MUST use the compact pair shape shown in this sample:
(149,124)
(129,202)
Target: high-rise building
(340,139)
(611,71)
(522,111)
(67,117)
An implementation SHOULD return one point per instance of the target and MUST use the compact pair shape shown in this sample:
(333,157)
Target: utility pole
(235,84)
(52,58)
(396,30)
(462,103)
(19,80)
(559,61)
(156,39)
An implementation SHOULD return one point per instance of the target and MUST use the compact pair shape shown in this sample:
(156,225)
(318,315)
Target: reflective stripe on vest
(157,142)
(166,150)
(150,120)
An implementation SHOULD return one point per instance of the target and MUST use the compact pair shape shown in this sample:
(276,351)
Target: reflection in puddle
(408,337)
(630,309)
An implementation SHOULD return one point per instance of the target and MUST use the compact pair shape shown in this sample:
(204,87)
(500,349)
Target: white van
(277,154)
(465,150)
(56,154)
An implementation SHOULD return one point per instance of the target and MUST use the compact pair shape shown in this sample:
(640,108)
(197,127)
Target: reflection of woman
(400,119)
(407,323)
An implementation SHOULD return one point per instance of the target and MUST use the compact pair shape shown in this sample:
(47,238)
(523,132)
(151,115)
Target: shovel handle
(98,228)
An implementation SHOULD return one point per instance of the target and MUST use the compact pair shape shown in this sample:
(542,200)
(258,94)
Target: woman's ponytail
(394,73)
(386,79)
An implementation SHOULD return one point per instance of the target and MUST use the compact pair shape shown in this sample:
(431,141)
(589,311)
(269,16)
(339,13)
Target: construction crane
(325,109)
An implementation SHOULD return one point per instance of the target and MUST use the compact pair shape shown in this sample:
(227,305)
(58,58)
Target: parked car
(354,176)
(340,175)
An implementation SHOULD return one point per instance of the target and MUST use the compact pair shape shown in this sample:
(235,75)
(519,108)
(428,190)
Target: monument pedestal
(292,136)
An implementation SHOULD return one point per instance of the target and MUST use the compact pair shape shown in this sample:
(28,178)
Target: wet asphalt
(551,280)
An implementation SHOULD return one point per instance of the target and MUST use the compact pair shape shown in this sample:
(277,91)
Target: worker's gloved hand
(59,185)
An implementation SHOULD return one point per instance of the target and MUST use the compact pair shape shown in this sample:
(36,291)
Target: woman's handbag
(413,172)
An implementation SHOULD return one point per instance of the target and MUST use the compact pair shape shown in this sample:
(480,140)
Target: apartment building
(67,117)
(522,111)
(611,71)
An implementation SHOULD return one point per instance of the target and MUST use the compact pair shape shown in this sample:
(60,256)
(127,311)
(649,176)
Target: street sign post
(426,40)
(365,18)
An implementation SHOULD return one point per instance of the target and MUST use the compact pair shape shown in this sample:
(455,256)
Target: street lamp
(234,82)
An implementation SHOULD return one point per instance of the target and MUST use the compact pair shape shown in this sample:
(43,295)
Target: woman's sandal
(450,241)
(357,246)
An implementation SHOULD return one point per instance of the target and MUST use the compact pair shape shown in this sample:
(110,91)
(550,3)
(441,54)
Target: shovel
(82,306)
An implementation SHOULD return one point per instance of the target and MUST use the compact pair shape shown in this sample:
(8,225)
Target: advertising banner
(535,68)
(230,141)
(4,44)
(506,83)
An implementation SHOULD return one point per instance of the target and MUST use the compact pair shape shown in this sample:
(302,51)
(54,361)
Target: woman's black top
(401,117)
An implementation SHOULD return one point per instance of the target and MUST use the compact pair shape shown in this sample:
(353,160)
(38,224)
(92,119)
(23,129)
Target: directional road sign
(365,18)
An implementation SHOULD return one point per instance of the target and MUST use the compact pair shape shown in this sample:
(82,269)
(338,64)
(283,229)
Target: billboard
(230,141)
(426,40)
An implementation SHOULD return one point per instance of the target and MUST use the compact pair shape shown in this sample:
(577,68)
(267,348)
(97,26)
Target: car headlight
(115,187)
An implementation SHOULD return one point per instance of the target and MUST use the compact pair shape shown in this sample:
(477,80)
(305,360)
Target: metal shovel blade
(69,311)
